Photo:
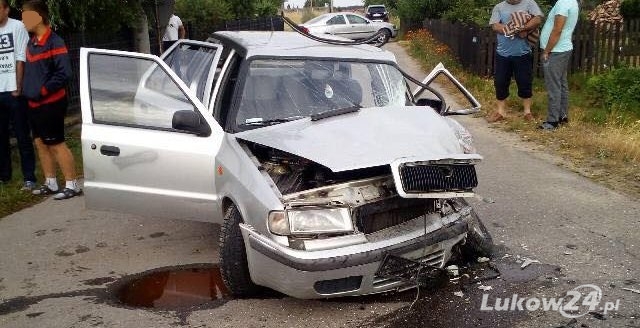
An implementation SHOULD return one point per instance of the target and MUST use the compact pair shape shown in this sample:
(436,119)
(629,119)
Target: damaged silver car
(322,168)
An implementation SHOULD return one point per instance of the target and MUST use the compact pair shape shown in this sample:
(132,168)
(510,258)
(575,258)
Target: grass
(600,145)
(12,199)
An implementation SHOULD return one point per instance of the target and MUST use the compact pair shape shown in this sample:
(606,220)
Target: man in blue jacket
(47,71)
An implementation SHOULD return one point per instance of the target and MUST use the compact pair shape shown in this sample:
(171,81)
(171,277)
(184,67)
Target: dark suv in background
(377,13)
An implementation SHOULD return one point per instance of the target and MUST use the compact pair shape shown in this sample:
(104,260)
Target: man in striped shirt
(47,71)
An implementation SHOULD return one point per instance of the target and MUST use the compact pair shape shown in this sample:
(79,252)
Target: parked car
(349,25)
(313,158)
(377,13)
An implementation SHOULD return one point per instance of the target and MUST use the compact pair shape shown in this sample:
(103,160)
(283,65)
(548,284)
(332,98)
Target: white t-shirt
(13,45)
(171,33)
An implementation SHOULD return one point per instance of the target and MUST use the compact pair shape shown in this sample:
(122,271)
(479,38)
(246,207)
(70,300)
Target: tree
(317,3)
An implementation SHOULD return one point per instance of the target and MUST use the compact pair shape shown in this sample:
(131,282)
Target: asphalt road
(59,263)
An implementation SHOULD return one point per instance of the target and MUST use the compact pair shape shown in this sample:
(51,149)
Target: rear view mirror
(190,121)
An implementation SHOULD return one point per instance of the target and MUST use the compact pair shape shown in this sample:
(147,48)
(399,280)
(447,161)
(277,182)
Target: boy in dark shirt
(47,71)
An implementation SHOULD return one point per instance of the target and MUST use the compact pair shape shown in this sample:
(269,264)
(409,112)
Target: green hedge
(617,90)
(630,9)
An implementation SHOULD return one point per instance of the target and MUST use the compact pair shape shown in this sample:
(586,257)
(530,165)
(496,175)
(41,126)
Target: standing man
(555,40)
(173,32)
(13,44)
(47,71)
(513,57)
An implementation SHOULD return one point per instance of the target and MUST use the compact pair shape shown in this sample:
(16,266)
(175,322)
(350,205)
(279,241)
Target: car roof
(292,44)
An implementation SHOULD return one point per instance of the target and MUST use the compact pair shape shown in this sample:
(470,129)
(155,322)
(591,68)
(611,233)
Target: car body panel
(368,138)
(151,173)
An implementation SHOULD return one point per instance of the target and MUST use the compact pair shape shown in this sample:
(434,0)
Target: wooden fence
(597,48)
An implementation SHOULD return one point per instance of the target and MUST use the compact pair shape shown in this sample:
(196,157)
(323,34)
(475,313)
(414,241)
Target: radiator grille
(432,178)
(387,213)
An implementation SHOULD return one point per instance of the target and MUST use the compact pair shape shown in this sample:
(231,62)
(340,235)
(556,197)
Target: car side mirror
(190,121)
(436,104)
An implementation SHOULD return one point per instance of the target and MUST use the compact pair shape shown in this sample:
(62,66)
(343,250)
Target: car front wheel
(233,257)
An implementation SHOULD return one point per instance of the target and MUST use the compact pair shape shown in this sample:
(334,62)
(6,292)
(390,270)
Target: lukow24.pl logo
(578,302)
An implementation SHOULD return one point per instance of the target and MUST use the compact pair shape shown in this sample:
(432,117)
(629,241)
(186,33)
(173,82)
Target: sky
(337,3)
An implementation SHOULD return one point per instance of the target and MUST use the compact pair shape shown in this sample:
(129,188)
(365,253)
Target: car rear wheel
(383,38)
(233,257)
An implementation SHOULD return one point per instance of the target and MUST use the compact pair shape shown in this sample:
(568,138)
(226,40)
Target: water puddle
(174,288)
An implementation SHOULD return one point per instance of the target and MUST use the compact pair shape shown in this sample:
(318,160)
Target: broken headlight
(310,221)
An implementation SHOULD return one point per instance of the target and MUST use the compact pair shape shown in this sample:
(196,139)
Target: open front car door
(148,145)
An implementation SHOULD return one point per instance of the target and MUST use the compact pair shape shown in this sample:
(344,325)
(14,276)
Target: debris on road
(483,259)
(485,288)
(637,291)
(568,253)
(459,294)
(527,262)
(453,270)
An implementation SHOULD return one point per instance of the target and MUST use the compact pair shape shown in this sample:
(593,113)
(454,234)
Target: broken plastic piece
(453,270)
(459,294)
(485,288)
(528,261)
(632,290)
(483,259)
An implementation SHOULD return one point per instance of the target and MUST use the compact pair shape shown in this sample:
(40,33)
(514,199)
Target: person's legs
(523,72)
(65,160)
(22,131)
(5,148)
(552,80)
(40,119)
(501,80)
(564,59)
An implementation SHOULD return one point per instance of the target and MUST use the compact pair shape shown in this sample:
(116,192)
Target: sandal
(528,117)
(495,117)
(44,190)
(67,193)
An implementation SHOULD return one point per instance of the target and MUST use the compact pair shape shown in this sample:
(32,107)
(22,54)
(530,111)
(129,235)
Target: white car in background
(349,25)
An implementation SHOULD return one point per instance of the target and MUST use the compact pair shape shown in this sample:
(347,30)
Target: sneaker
(43,191)
(548,126)
(67,193)
(28,186)
(564,120)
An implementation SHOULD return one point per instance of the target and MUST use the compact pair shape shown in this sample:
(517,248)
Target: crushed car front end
(335,240)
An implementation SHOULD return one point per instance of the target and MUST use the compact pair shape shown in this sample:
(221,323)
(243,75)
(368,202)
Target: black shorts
(519,67)
(47,122)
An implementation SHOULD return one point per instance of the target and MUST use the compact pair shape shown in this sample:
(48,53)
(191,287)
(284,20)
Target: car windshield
(278,90)
(377,10)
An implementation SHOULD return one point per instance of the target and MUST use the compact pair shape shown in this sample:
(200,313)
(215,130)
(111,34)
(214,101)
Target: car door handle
(109,150)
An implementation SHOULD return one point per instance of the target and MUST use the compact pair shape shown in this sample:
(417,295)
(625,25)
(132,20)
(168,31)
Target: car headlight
(310,221)
(464,136)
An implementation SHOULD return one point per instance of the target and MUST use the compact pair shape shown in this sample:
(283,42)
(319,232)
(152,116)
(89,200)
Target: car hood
(367,138)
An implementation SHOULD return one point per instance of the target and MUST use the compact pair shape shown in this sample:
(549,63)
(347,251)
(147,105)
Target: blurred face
(31,20)
(4,13)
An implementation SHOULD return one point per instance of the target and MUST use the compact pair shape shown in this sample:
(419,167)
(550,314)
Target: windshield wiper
(335,112)
(274,121)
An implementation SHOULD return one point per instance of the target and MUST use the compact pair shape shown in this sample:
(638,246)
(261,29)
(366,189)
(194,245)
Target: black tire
(233,257)
(384,37)
(479,240)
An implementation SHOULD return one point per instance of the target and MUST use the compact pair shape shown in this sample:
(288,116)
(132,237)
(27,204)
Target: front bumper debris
(351,270)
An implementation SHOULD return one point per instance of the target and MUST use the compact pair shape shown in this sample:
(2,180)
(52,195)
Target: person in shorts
(47,71)
(513,55)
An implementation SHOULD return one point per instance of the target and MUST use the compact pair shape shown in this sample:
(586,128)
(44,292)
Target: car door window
(337,20)
(133,92)
(353,19)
